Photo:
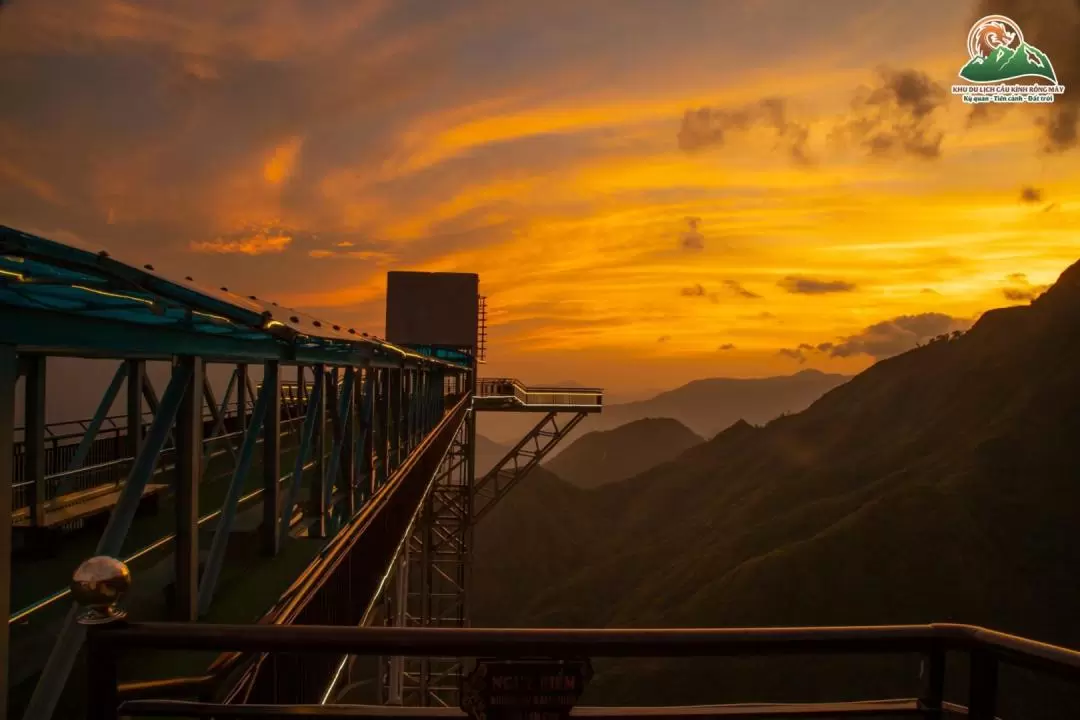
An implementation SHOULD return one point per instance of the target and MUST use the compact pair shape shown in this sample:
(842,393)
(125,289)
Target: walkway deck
(509,395)
(78,506)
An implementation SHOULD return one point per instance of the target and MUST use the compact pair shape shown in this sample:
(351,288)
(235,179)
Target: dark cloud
(1023,294)
(692,238)
(812,286)
(896,116)
(1020,288)
(986,114)
(792,353)
(884,339)
(693,291)
(710,127)
(1030,194)
(726,346)
(1053,26)
(741,291)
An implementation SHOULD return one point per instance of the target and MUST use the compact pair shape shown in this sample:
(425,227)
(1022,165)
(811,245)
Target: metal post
(34,398)
(102,677)
(136,376)
(399,415)
(313,403)
(933,677)
(367,450)
(982,690)
(189,430)
(241,397)
(9,374)
(232,499)
(348,449)
(314,504)
(380,456)
(336,468)
(401,588)
(271,497)
(388,423)
(409,410)
(468,497)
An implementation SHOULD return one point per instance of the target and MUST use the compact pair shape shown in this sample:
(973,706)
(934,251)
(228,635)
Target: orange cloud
(256,244)
(280,165)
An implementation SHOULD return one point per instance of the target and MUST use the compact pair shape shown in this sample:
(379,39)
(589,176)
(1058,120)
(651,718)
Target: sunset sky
(651,191)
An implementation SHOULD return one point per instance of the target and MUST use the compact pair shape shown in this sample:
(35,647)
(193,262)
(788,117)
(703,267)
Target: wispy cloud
(800,285)
(258,243)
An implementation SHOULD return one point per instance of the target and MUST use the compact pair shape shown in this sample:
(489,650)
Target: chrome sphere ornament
(97,586)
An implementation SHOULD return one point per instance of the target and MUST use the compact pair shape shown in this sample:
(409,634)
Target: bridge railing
(985,650)
(107,461)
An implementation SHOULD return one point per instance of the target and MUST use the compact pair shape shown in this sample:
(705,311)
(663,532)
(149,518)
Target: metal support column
(314,506)
(397,664)
(348,447)
(292,494)
(241,397)
(271,497)
(136,377)
(438,578)
(9,374)
(34,399)
(394,420)
(189,430)
(383,453)
(367,452)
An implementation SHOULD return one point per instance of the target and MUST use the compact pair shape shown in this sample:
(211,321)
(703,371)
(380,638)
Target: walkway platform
(79,506)
(510,395)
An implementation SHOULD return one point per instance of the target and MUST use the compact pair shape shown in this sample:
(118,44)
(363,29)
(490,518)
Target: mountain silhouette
(938,485)
(708,406)
(705,406)
(488,452)
(601,457)
(1008,64)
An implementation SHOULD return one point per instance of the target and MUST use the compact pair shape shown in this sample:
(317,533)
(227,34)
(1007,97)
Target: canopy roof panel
(54,282)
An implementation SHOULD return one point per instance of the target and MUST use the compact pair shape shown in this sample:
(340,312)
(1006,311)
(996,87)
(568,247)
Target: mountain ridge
(601,457)
(937,485)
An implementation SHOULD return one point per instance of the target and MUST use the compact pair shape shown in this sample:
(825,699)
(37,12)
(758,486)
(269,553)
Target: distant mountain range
(713,404)
(942,485)
(705,406)
(601,457)
(488,452)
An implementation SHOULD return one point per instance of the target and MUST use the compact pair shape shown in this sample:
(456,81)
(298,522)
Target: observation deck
(510,395)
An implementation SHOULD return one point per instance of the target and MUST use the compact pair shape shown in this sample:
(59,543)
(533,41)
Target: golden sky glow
(298,151)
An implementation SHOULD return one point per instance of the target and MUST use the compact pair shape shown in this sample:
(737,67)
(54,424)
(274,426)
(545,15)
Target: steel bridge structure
(366,462)
(310,524)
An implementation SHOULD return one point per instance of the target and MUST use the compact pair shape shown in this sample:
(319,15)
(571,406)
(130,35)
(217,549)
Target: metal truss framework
(517,463)
(431,581)
(370,404)
(432,575)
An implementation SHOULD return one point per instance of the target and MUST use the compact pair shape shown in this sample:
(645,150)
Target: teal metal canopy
(66,300)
